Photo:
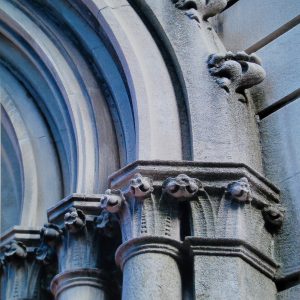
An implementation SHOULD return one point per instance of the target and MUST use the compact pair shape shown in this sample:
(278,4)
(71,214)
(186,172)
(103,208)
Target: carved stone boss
(229,204)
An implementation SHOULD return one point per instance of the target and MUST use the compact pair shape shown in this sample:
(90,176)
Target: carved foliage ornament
(141,186)
(208,8)
(75,220)
(50,235)
(239,191)
(236,72)
(15,250)
(273,217)
(182,186)
(145,209)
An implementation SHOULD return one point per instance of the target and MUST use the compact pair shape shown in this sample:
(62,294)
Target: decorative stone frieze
(207,8)
(21,275)
(236,72)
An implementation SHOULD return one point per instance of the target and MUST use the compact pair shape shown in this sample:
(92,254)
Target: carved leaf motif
(181,187)
(239,191)
(75,220)
(112,201)
(140,186)
(15,250)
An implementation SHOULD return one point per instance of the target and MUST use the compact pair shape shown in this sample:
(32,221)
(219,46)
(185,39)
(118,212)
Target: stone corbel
(205,8)
(236,72)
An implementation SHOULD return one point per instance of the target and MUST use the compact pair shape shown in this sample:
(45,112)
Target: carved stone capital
(73,233)
(21,273)
(236,72)
(226,201)
(146,206)
(207,8)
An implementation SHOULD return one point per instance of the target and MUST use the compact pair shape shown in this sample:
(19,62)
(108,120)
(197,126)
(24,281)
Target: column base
(88,284)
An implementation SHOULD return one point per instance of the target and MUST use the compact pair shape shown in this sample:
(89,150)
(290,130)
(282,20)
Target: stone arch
(88,70)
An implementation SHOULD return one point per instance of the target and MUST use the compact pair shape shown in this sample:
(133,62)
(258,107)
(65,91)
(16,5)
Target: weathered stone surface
(282,64)
(219,278)
(247,22)
(292,293)
(282,166)
(207,101)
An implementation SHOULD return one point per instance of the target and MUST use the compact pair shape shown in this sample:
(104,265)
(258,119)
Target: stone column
(20,271)
(147,202)
(78,253)
(233,215)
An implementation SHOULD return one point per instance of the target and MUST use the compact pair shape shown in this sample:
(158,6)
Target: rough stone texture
(282,64)
(219,278)
(207,102)
(151,276)
(247,22)
(292,293)
(282,166)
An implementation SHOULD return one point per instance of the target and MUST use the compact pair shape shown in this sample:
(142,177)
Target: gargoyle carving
(236,72)
(75,220)
(140,186)
(239,191)
(208,8)
(15,250)
(181,186)
(112,201)
(273,217)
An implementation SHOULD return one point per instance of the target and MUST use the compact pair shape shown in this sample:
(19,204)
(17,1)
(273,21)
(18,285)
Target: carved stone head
(181,186)
(15,250)
(140,186)
(273,217)
(75,220)
(239,190)
(112,201)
